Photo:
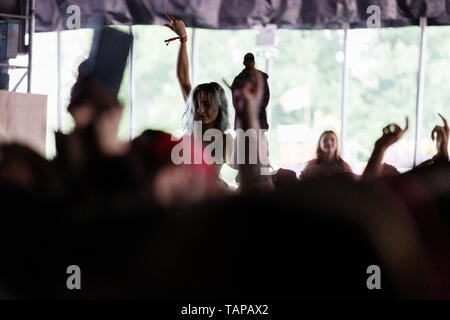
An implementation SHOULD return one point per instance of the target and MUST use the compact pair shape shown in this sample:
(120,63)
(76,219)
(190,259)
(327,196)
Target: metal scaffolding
(30,21)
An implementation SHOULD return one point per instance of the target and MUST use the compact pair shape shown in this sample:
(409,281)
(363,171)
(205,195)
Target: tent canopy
(243,14)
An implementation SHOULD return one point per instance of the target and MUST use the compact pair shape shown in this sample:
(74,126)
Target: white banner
(23,119)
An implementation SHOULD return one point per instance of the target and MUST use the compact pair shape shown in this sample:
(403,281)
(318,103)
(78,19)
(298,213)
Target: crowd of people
(140,226)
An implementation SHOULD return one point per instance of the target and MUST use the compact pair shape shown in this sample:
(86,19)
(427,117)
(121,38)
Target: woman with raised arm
(207,102)
(179,28)
(328,162)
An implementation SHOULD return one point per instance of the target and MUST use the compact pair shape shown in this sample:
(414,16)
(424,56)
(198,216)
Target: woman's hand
(441,135)
(184,80)
(391,134)
(176,25)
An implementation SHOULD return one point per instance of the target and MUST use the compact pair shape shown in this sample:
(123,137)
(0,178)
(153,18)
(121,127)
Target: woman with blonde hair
(207,102)
(328,161)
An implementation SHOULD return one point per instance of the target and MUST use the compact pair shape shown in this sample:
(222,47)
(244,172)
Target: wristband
(182,39)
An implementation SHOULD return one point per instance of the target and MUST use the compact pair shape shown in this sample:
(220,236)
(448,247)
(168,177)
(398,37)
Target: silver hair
(218,97)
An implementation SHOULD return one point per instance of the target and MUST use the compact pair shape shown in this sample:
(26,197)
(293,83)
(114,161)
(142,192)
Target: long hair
(319,152)
(217,96)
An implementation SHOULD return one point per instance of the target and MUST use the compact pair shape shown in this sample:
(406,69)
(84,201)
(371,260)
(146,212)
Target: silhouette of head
(249,61)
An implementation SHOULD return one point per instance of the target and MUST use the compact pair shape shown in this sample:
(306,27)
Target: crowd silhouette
(140,226)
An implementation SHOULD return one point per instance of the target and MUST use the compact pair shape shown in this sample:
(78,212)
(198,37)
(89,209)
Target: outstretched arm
(391,134)
(177,26)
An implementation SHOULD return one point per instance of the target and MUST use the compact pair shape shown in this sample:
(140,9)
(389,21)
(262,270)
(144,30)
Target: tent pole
(31,14)
(420,87)
(131,87)
(269,68)
(344,86)
(194,51)
(58,66)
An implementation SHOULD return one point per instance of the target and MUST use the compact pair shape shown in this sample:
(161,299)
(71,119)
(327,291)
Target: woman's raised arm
(179,28)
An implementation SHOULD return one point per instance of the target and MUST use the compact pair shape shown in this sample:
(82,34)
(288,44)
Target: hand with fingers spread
(391,134)
(440,134)
(176,25)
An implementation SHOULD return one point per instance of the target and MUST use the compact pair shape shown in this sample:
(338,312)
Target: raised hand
(248,97)
(391,134)
(176,25)
(247,100)
(440,134)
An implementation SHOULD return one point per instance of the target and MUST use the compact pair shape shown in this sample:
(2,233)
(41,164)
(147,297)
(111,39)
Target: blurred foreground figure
(245,76)
(292,244)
